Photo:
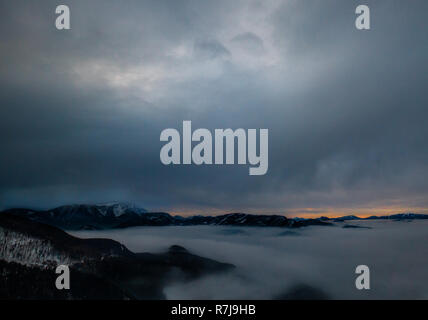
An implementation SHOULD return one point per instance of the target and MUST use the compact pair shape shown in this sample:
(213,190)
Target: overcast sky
(81,110)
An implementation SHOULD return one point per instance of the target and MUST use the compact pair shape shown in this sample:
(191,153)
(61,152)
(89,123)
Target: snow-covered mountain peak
(119,208)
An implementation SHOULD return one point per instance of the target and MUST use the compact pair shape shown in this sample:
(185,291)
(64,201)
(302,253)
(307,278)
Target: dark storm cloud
(250,42)
(82,110)
(210,49)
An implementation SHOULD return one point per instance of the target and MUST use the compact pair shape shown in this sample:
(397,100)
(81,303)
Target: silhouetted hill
(93,217)
(100,268)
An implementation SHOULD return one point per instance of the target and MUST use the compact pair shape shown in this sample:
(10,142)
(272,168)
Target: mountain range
(123,215)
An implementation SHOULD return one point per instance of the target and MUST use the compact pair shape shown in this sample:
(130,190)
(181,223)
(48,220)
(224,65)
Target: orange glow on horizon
(301,212)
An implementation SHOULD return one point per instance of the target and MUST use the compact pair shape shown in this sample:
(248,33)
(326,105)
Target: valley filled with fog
(282,263)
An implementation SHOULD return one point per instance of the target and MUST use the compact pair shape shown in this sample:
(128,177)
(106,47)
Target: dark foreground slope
(99,268)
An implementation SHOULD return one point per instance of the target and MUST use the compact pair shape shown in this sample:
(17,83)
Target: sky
(81,110)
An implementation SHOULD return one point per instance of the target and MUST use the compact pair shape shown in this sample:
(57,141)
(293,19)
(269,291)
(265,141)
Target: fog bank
(272,261)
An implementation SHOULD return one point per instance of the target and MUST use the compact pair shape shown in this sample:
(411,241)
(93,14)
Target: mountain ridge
(93,217)
(122,215)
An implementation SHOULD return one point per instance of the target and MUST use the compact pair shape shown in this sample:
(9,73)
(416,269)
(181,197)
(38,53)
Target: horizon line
(306,213)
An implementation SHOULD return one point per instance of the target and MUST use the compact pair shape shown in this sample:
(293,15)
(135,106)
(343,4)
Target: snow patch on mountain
(29,251)
(118,208)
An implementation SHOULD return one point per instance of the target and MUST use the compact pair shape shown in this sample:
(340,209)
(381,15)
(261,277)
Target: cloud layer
(273,262)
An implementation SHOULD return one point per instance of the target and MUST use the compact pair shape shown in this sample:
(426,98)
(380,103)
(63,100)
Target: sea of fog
(274,262)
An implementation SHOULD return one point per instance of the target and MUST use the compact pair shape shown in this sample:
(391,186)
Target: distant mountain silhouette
(92,217)
(120,215)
